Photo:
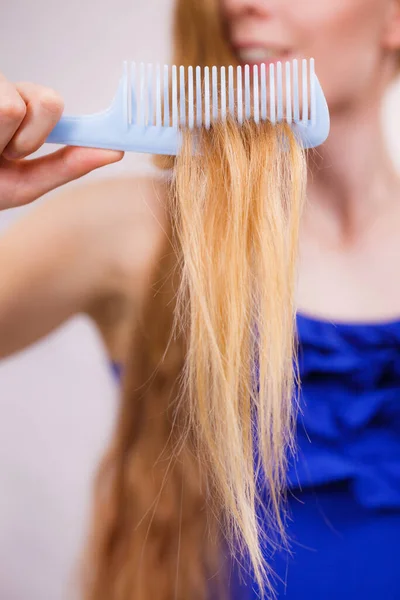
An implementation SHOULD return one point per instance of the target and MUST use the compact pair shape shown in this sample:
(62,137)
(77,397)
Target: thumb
(41,175)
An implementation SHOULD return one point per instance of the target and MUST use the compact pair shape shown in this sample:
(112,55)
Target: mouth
(257,55)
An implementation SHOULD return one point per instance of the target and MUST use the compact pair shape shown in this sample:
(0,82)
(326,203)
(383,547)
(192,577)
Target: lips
(255,55)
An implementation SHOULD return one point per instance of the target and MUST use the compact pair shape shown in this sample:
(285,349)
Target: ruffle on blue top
(349,421)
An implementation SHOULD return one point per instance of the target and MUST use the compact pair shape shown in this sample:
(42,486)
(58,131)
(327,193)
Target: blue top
(117,370)
(344,499)
(349,426)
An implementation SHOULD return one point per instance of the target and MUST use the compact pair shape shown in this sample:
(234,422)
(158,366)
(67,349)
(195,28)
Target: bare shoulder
(122,220)
(131,219)
(114,197)
(92,204)
(130,225)
(88,248)
(112,227)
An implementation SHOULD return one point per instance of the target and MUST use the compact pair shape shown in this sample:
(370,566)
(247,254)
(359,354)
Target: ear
(391,37)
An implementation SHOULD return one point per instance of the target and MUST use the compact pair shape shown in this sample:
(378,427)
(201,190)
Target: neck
(352,176)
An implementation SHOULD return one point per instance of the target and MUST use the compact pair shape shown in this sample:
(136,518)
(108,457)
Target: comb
(154,103)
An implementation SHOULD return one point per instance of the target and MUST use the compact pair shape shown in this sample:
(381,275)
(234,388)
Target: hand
(28,113)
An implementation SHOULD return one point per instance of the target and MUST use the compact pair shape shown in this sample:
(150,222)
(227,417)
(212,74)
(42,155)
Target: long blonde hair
(206,408)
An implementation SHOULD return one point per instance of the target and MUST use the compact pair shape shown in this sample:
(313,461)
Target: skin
(78,252)
(350,247)
(89,253)
(28,113)
(81,253)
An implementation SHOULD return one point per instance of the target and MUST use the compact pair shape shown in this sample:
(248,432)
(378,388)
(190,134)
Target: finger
(43,110)
(26,180)
(12,111)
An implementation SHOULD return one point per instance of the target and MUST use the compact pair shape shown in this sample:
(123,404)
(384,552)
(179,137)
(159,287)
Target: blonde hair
(206,411)
(237,211)
(207,398)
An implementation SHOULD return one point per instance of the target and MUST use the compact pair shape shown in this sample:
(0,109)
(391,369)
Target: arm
(71,252)
(64,256)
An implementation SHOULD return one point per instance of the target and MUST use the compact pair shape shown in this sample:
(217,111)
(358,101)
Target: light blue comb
(152,104)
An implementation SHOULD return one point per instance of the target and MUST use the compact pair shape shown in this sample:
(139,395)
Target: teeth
(257,54)
(196,97)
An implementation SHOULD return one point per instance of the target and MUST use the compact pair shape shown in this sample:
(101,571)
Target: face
(354,42)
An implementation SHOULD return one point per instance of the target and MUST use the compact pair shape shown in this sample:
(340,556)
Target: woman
(345,484)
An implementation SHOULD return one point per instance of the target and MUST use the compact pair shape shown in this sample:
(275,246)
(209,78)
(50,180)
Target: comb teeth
(188,97)
(152,103)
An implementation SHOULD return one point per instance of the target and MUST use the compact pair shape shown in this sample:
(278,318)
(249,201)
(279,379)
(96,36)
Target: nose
(237,7)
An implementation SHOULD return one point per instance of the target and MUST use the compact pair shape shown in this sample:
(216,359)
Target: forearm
(30,309)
